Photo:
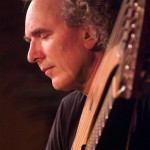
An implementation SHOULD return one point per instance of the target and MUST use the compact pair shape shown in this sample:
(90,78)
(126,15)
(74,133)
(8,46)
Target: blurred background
(28,102)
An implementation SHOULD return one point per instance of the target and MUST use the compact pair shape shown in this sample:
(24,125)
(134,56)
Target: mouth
(47,71)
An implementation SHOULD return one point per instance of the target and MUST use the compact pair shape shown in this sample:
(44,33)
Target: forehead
(48,6)
(42,13)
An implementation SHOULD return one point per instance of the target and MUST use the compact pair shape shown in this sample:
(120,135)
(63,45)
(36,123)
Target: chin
(62,86)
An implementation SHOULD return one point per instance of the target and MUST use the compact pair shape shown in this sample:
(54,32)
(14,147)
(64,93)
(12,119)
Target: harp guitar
(114,79)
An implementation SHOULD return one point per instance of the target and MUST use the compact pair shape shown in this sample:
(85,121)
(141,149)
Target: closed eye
(45,35)
(41,33)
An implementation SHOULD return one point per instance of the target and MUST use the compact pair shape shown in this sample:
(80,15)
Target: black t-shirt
(66,121)
(115,132)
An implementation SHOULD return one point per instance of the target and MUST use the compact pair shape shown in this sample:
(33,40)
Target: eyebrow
(26,39)
(36,32)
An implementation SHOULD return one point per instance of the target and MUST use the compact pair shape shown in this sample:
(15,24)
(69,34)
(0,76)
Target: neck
(92,71)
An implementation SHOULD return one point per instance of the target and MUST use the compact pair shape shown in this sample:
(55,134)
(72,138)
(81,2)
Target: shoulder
(65,122)
(71,105)
(73,99)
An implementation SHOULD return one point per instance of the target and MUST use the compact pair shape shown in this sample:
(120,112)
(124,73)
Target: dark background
(28,102)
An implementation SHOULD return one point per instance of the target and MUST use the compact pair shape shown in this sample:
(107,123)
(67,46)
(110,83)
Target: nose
(35,52)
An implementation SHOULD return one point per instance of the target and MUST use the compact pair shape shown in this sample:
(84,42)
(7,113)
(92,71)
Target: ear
(89,38)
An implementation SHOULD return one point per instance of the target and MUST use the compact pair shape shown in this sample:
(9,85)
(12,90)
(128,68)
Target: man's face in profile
(59,51)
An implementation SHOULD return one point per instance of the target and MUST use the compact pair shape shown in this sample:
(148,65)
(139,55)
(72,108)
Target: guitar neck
(124,42)
(112,78)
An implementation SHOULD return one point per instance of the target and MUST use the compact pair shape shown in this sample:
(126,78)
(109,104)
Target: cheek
(66,53)
(57,55)
(52,52)
(73,57)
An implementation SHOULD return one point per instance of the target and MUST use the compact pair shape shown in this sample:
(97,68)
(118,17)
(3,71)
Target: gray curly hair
(99,15)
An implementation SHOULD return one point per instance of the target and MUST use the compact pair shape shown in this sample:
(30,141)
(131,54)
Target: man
(67,40)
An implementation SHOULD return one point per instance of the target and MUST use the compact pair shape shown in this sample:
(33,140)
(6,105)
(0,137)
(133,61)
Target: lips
(44,69)
(47,71)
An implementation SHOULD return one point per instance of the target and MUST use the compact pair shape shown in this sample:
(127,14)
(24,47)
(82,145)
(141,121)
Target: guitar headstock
(128,41)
